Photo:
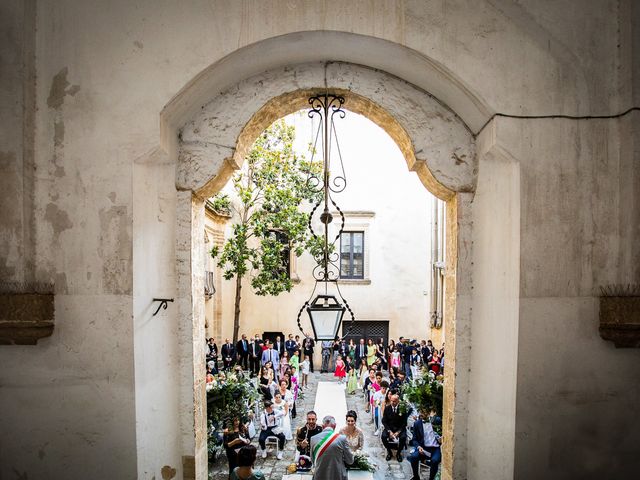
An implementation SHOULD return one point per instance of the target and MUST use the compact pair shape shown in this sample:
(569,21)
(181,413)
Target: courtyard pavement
(274,469)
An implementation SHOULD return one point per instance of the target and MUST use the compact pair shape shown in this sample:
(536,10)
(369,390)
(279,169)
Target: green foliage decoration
(425,393)
(270,193)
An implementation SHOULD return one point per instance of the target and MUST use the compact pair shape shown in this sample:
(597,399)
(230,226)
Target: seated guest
(395,428)
(398,381)
(270,427)
(266,384)
(427,445)
(304,434)
(233,440)
(246,460)
(355,437)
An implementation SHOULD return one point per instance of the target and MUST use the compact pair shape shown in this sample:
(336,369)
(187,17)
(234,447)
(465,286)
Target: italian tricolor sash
(322,446)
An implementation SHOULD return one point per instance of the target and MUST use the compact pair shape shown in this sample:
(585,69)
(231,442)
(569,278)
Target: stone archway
(436,144)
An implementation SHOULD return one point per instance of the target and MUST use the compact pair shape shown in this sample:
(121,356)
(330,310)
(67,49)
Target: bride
(280,403)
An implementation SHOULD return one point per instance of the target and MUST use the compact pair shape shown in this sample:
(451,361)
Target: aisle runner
(330,400)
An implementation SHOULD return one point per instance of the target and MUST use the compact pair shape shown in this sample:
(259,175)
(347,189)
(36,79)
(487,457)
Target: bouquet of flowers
(361,461)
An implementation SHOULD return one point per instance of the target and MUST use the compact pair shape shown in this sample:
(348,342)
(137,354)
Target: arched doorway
(435,142)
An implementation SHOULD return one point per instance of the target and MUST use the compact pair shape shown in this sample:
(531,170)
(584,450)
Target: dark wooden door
(373,329)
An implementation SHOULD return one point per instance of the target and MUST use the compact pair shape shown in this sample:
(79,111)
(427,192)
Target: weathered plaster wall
(106,70)
(16,141)
(494,326)
(577,218)
(156,344)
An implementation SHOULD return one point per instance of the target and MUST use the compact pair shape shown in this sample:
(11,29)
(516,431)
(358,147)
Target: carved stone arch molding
(211,144)
(435,142)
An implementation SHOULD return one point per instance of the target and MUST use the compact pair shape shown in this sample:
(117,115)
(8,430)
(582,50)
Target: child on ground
(304,370)
(340,369)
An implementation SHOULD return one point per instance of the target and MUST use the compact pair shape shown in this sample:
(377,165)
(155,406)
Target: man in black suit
(290,345)
(406,358)
(361,352)
(255,354)
(278,346)
(307,349)
(242,347)
(395,428)
(228,354)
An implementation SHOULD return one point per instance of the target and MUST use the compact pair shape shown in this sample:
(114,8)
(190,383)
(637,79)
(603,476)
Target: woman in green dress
(294,362)
(352,375)
(371,352)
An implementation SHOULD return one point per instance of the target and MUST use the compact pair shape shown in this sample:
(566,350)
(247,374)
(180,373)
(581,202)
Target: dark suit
(255,355)
(291,346)
(406,356)
(279,347)
(307,349)
(361,352)
(432,452)
(242,347)
(394,422)
(228,355)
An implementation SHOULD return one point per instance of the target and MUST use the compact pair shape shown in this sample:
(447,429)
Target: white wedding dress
(285,421)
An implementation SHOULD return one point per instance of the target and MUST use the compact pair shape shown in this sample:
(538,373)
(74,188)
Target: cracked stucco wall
(69,213)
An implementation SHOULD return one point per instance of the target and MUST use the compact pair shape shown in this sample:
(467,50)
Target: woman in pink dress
(284,363)
(341,370)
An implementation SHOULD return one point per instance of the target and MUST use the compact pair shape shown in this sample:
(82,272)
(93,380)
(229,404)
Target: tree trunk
(236,313)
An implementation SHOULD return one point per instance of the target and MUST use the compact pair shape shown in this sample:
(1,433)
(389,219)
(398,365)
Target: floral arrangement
(228,397)
(361,461)
(425,393)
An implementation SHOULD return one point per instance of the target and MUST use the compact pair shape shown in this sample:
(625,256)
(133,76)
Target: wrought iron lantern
(326,310)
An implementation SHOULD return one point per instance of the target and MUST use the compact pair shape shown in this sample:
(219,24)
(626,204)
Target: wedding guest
(255,355)
(360,352)
(304,373)
(290,345)
(266,384)
(284,363)
(307,349)
(280,404)
(352,375)
(395,428)
(340,369)
(242,347)
(233,439)
(270,427)
(434,364)
(304,434)
(351,350)
(355,437)
(379,404)
(228,354)
(367,387)
(294,362)
(382,353)
(427,445)
(336,347)
(246,461)
(363,372)
(271,355)
(371,352)
(278,346)
(326,355)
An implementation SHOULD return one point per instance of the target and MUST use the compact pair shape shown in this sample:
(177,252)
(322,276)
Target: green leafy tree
(270,193)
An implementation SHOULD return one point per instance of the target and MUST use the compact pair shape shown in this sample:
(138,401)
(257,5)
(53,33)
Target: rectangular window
(352,255)
(286,251)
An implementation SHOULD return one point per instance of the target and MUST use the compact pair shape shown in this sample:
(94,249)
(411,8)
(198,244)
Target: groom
(330,452)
